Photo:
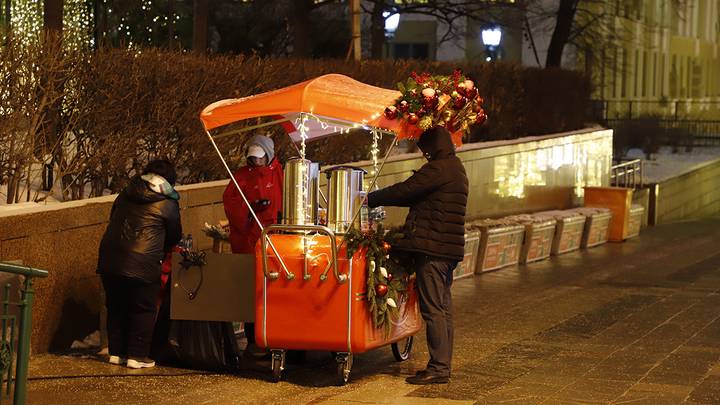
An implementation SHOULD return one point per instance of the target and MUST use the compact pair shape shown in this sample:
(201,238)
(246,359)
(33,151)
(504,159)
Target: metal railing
(681,132)
(14,347)
(627,174)
(676,109)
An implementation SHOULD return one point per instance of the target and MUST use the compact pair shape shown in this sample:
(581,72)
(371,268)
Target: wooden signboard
(221,290)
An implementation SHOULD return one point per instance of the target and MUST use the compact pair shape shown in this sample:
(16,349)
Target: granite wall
(522,175)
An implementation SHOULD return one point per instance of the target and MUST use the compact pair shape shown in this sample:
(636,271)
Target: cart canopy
(331,96)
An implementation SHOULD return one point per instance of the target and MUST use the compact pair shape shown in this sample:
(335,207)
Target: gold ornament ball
(425,123)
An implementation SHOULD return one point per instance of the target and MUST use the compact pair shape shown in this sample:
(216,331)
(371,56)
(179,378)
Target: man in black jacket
(144,225)
(435,236)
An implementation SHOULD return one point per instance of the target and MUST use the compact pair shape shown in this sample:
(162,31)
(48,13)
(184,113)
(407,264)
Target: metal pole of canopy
(289,275)
(372,184)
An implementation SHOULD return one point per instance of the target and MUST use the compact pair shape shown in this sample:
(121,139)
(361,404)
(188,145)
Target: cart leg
(344,365)
(278,364)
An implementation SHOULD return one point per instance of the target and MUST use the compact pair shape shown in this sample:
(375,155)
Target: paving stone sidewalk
(628,323)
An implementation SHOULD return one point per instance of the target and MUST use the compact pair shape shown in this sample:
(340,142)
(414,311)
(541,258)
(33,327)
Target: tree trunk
(561,34)
(6,15)
(53,15)
(171,23)
(200,26)
(377,30)
(100,24)
(300,28)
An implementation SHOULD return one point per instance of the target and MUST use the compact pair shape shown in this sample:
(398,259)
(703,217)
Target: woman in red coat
(261,182)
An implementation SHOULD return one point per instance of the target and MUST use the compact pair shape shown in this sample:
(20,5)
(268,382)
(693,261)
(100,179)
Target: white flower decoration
(383,271)
(372,266)
(391,303)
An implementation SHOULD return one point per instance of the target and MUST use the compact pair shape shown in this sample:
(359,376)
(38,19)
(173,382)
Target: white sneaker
(142,363)
(117,360)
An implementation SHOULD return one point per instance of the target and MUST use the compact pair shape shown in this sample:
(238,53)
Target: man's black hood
(139,192)
(435,143)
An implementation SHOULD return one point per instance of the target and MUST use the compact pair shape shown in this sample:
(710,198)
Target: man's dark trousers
(131,307)
(434,280)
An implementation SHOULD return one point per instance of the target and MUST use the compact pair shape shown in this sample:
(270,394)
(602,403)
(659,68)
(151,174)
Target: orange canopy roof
(331,95)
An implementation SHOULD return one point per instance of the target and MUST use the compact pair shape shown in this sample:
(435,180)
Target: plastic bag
(204,345)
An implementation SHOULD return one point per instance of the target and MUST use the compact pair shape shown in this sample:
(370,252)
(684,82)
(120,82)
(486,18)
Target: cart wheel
(344,365)
(278,364)
(401,349)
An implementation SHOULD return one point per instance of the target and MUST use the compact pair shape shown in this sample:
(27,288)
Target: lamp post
(392,20)
(491,38)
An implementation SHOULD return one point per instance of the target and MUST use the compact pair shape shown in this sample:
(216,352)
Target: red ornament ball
(389,277)
(381,290)
(481,118)
(391,112)
(386,246)
(403,106)
(459,102)
(413,119)
(471,93)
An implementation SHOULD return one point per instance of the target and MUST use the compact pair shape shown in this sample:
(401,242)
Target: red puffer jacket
(262,187)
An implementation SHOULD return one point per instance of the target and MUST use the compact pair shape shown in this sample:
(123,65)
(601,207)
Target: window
(623,74)
(644,74)
(636,73)
(615,72)
(654,75)
(411,51)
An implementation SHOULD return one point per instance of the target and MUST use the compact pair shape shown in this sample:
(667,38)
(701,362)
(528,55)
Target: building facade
(644,57)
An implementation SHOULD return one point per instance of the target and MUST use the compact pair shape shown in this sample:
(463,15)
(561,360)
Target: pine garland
(387,277)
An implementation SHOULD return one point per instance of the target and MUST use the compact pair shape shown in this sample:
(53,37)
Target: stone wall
(522,175)
(693,195)
(64,239)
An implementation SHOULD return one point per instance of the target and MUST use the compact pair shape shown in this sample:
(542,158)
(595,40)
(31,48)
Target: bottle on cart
(189,242)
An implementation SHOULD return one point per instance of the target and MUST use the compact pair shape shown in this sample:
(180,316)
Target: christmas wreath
(387,278)
(450,101)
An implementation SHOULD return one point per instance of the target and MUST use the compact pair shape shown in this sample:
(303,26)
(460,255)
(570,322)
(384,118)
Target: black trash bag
(204,345)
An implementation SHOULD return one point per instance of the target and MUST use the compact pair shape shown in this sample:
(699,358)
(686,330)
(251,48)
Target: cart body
(309,313)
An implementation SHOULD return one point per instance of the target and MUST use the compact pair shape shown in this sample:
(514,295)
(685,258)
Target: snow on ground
(667,164)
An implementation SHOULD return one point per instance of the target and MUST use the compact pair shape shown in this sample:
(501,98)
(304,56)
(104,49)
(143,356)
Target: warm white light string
(375,149)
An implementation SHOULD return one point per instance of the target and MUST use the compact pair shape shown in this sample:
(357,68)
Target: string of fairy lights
(130,27)
(26,22)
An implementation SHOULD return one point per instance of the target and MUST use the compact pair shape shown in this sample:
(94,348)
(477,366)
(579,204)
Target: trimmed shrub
(133,106)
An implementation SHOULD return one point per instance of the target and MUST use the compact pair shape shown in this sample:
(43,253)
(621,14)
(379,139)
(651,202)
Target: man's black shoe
(424,378)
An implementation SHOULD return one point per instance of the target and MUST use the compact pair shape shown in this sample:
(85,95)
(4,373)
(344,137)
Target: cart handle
(341,278)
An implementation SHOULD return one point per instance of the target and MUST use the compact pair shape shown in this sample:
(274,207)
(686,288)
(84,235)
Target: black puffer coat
(143,226)
(437,196)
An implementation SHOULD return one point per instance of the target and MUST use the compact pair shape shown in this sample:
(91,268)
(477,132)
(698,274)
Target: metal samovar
(301,189)
(345,197)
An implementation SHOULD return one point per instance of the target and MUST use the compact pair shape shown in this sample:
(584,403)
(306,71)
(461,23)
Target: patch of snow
(667,164)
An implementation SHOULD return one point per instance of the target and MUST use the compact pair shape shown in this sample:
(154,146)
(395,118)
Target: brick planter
(538,239)
(500,246)
(597,226)
(568,230)
(467,266)
(635,220)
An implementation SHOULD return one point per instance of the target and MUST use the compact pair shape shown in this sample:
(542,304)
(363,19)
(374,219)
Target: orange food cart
(309,294)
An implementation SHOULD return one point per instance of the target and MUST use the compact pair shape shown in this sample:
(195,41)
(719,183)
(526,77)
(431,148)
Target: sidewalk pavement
(628,323)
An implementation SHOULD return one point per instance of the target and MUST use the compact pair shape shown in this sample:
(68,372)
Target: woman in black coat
(144,225)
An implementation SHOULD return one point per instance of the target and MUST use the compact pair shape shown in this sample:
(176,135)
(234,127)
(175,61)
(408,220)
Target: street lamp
(392,20)
(491,37)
